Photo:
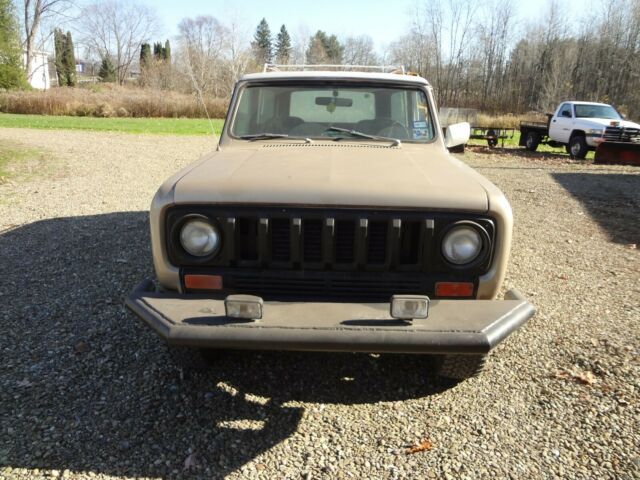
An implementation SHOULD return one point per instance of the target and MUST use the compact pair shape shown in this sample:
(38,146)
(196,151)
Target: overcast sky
(382,20)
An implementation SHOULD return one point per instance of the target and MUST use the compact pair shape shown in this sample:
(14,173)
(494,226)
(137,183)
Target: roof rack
(272,67)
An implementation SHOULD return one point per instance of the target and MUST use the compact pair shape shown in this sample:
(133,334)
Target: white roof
(324,75)
(587,103)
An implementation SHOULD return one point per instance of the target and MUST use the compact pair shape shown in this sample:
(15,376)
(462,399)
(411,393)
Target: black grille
(327,285)
(314,239)
(377,243)
(345,241)
(280,240)
(622,134)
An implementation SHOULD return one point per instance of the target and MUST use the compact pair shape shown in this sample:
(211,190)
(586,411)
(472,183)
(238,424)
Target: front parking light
(248,307)
(408,307)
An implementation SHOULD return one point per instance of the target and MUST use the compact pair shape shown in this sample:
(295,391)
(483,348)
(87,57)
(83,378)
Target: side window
(565,110)
(421,120)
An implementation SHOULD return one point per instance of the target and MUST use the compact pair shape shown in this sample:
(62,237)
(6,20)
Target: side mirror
(457,134)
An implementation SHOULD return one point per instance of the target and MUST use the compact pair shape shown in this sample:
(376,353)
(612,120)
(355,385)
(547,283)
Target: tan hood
(338,174)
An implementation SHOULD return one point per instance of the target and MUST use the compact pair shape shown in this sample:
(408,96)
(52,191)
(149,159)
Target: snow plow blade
(626,153)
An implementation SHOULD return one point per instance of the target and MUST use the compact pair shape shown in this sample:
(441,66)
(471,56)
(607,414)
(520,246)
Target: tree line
(475,54)
(479,56)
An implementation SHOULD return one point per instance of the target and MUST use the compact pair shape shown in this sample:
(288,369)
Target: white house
(40,70)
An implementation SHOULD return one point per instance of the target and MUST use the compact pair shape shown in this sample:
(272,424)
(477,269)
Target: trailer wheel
(492,141)
(578,147)
(532,141)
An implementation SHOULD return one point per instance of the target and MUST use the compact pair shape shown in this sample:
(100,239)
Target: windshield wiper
(263,136)
(355,133)
(267,136)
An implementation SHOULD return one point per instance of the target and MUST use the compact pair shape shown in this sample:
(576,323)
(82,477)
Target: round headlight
(199,238)
(462,245)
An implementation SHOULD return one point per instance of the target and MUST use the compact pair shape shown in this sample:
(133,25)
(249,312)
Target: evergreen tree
(166,52)
(324,49)
(261,44)
(69,60)
(12,74)
(158,51)
(334,49)
(283,46)
(59,46)
(145,54)
(107,71)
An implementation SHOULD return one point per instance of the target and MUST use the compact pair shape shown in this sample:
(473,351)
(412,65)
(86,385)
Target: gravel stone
(74,241)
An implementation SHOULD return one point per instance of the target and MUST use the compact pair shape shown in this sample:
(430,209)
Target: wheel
(493,141)
(578,147)
(568,149)
(191,359)
(460,367)
(532,141)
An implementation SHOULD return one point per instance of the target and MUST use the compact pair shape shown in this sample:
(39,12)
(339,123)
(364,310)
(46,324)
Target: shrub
(110,100)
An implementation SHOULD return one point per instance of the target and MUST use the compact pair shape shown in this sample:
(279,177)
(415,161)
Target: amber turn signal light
(454,289)
(203,282)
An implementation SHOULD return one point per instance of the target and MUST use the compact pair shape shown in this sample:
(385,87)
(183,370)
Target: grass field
(167,126)
(161,126)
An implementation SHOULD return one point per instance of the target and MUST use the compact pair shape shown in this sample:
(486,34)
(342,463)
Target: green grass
(159,126)
(15,155)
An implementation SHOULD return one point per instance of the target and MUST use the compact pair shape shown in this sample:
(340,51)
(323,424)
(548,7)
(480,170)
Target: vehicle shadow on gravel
(86,387)
(611,199)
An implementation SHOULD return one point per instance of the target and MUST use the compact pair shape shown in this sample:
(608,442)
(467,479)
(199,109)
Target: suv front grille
(314,239)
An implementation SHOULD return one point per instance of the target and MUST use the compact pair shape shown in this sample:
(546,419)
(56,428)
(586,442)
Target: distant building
(40,78)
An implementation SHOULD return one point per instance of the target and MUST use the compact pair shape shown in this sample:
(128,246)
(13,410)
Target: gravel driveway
(87,391)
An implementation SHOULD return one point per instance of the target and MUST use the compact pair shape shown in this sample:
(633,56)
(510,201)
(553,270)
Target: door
(562,124)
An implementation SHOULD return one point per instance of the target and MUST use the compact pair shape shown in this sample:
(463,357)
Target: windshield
(335,111)
(596,111)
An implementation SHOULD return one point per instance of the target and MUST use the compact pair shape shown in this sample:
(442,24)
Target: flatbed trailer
(492,135)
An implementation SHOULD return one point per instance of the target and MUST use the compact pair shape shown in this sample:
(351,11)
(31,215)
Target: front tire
(532,140)
(460,367)
(578,147)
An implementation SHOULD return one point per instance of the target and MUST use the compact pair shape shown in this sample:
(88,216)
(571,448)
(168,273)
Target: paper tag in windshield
(419,130)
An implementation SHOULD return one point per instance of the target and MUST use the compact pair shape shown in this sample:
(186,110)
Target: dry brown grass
(508,120)
(110,101)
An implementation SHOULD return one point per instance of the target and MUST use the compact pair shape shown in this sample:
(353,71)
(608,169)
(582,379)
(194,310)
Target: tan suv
(331,217)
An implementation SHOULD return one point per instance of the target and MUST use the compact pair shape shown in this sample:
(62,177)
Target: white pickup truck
(580,127)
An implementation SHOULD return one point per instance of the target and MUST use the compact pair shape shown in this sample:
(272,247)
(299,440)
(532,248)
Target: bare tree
(116,29)
(202,43)
(359,51)
(300,45)
(237,54)
(34,14)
